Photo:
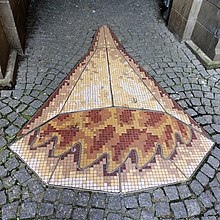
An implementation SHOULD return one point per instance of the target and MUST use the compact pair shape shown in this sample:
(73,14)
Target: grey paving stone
(83,199)
(213,162)
(202,178)
(9,211)
(216,151)
(217,208)
(216,192)
(3,197)
(68,197)
(196,187)
(96,214)
(130,202)
(210,212)
(63,211)
(51,195)
(36,103)
(216,127)
(27,99)
(162,209)
(11,163)
(147,214)
(12,116)
(3,123)
(35,187)
(6,110)
(144,200)
(11,130)
(79,213)
(20,121)
(29,111)
(192,207)
(204,198)
(4,154)
(28,210)
(171,192)
(3,172)
(3,142)
(46,209)
(38,197)
(158,195)
(209,218)
(133,213)
(216,138)
(8,182)
(208,170)
(113,216)
(21,108)
(14,193)
(179,210)
(22,176)
(114,203)
(98,200)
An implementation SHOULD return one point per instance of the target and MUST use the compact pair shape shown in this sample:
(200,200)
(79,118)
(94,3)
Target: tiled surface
(109,127)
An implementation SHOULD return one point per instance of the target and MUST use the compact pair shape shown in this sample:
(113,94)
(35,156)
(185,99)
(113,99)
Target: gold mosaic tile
(110,127)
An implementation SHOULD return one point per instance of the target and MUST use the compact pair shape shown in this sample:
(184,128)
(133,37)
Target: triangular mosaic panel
(110,127)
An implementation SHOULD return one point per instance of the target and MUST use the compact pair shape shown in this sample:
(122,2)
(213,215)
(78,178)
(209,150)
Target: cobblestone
(51,195)
(83,199)
(22,176)
(196,187)
(96,214)
(179,210)
(133,213)
(98,200)
(2,198)
(14,193)
(79,213)
(130,202)
(113,216)
(162,209)
(158,195)
(28,210)
(68,197)
(46,209)
(63,211)
(145,200)
(114,203)
(192,207)
(171,192)
(9,211)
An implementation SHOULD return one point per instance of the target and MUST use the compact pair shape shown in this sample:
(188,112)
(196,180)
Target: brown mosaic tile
(110,127)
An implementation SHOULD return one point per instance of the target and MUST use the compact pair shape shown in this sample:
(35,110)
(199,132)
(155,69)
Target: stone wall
(206,33)
(12,30)
(179,16)
(198,21)
(4,52)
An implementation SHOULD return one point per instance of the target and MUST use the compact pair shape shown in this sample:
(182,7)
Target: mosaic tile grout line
(78,79)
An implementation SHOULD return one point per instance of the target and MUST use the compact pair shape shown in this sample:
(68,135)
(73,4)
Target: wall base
(205,60)
(11,69)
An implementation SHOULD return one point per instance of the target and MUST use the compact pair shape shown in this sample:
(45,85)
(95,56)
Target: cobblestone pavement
(58,35)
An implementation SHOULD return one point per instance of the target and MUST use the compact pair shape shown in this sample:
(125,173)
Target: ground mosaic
(58,35)
(110,127)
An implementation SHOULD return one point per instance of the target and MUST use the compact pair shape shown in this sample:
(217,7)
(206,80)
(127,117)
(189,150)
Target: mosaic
(110,127)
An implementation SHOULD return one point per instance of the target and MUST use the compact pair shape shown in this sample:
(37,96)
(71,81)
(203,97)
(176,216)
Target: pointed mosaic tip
(110,127)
